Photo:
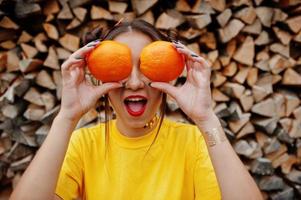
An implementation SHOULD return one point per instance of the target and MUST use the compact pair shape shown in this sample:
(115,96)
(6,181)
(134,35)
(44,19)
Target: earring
(151,123)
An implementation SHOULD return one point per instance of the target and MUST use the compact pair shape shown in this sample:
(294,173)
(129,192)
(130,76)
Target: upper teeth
(135,99)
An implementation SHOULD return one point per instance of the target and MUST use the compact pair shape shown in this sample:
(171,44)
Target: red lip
(142,108)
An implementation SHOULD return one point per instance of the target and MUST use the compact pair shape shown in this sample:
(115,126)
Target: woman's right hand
(78,95)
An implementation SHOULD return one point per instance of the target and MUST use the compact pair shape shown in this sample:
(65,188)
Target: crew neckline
(133,142)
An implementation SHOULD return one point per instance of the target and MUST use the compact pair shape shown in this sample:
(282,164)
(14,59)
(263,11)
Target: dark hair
(122,27)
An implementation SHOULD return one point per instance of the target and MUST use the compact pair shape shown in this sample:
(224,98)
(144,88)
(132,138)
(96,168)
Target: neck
(133,131)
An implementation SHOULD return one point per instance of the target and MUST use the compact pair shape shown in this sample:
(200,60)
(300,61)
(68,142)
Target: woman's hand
(79,96)
(194,97)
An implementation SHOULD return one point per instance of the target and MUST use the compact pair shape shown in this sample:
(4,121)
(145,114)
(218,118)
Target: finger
(70,62)
(189,75)
(80,74)
(188,64)
(70,66)
(192,56)
(204,62)
(106,87)
(199,77)
(187,60)
(179,46)
(189,54)
(202,65)
(186,53)
(75,75)
(78,57)
(82,52)
(165,87)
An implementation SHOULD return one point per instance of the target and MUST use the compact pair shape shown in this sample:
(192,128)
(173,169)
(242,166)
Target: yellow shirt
(177,165)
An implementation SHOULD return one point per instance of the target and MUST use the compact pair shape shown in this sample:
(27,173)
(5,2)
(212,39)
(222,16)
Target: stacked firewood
(254,49)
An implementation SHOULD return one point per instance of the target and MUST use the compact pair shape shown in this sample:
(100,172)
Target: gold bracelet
(215,136)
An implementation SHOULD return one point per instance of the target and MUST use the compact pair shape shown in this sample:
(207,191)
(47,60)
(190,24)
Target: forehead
(134,39)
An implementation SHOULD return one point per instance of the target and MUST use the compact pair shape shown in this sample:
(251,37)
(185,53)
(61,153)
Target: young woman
(140,155)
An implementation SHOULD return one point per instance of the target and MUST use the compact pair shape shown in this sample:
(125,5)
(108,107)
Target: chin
(137,122)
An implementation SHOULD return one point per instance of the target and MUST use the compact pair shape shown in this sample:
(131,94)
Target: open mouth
(135,105)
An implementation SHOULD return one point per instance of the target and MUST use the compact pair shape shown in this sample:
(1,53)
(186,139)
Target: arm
(40,178)
(194,98)
(234,179)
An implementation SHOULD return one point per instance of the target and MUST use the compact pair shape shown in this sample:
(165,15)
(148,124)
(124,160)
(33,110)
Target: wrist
(67,117)
(212,130)
(207,121)
(66,126)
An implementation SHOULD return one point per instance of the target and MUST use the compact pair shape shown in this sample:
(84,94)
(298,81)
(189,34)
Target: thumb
(106,87)
(165,87)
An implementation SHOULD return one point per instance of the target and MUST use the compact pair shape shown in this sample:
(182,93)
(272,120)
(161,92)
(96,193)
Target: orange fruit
(110,61)
(160,61)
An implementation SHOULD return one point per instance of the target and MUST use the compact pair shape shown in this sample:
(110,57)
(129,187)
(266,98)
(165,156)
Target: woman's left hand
(194,97)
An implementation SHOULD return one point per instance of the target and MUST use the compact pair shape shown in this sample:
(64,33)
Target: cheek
(114,97)
(155,96)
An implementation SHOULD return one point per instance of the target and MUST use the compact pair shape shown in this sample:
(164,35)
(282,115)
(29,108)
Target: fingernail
(78,57)
(91,45)
(193,55)
(180,47)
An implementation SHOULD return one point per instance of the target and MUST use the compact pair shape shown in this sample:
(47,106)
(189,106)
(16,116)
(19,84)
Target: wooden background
(253,47)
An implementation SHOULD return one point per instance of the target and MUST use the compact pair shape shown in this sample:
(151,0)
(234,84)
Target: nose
(134,81)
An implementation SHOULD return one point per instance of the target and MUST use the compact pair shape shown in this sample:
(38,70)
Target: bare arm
(194,98)
(234,179)
(40,178)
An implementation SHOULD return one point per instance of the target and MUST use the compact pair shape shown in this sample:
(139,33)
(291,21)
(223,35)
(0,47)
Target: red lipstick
(135,104)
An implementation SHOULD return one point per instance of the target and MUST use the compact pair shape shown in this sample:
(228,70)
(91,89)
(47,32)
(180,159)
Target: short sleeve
(69,185)
(205,182)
